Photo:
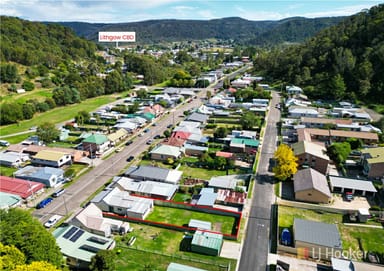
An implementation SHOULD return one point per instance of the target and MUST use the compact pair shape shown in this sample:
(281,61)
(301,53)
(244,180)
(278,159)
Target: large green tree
(18,228)
(104,260)
(339,152)
(47,132)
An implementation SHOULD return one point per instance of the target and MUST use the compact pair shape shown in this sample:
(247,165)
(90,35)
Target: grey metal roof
(207,197)
(309,178)
(198,117)
(147,172)
(38,173)
(355,184)
(317,233)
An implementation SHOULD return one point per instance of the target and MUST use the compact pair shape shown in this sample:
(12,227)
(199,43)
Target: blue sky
(140,10)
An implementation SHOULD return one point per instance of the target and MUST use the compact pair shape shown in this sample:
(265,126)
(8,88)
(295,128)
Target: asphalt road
(104,170)
(254,255)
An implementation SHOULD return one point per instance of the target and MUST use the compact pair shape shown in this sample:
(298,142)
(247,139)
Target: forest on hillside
(345,61)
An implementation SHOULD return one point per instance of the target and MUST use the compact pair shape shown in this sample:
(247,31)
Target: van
(58,193)
(44,203)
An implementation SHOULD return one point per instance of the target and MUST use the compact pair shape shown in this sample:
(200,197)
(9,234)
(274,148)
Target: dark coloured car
(156,137)
(44,203)
(146,130)
(169,126)
(130,158)
(129,142)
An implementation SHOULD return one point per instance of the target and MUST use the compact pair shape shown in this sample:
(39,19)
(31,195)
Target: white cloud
(342,11)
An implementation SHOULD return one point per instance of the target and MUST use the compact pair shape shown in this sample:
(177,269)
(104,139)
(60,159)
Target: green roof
(246,141)
(96,139)
(148,115)
(8,200)
(208,239)
(376,155)
(182,267)
(79,244)
(166,150)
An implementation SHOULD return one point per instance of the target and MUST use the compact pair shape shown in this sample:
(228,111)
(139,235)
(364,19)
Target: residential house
(292,90)
(192,124)
(79,246)
(157,174)
(49,176)
(122,203)
(355,186)
(311,155)
(329,136)
(51,158)
(64,134)
(117,136)
(173,141)
(319,240)
(198,117)
(372,160)
(323,122)
(244,134)
(96,143)
(240,83)
(194,150)
(205,242)
(156,190)
(231,198)
(206,197)
(244,145)
(311,186)
(229,182)
(298,112)
(91,219)
(24,189)
(8,200)
(163,152)
(13,159)
(127,125)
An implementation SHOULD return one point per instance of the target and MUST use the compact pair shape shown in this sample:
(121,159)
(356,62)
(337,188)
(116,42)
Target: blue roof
(207,197)
(41,173)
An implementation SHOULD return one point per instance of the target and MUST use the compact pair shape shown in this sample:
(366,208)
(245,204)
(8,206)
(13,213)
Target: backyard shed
(207,243)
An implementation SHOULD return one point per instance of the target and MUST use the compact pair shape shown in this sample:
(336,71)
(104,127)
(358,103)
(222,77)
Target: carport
(355,186)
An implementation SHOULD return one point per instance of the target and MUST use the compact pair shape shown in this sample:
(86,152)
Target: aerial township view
(181,135)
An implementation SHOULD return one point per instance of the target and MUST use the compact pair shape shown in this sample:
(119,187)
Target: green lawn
(206,174)
(372,239)
(57,115)
(181,197)
(161,251)
(7,171)
(181,217)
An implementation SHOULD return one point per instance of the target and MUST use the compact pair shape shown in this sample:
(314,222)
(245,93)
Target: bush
(28,85)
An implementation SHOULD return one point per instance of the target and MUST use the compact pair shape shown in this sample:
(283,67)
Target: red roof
(19,187)
(232,90)
(173,141)
(224,154)
(231,196)
(181,135)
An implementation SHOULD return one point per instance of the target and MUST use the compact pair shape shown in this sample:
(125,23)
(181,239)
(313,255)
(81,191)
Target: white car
(52,221)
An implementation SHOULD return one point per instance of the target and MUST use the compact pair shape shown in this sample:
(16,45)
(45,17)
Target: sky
(114,11)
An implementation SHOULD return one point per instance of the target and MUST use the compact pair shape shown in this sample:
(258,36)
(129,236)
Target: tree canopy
(286,165)
(47,132)
(19,229)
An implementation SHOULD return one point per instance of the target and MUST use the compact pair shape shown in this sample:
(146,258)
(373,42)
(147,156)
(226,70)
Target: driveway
(355,204)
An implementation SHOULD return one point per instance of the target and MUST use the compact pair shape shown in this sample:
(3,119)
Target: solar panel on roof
(97,240)
(76,235)
(70,232)
(89,248)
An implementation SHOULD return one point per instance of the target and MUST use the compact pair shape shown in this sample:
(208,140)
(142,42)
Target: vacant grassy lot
(372,239)
(156,248)
(206,174)
(57,115)
(7,171)
(181,217)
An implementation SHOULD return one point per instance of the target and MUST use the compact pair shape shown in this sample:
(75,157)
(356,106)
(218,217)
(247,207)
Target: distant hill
(240,30)
(32,43)
(345,61)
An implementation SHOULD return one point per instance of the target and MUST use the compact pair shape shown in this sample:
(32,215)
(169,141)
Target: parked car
(52,221)
(149,142)
(119,149)
(58,193)
(129,142)
(348,196)
(130,158)
(4,143)
(44,203)
(169,126)
(157,137)
(146,130)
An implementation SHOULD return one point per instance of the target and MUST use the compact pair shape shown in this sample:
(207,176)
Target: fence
(219,264)
(309,206)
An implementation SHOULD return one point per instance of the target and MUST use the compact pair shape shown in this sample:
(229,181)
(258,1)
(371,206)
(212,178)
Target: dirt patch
(374,115)
(217,226)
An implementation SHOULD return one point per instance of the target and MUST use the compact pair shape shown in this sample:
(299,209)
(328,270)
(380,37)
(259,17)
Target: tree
(339,152)
(104,260)
(36,266)
(10,113)
(114,82)
(249,120)
(220,132)
(26,233)
(286,163)
(47,132)
(10,256)
(28,85)
(82,117)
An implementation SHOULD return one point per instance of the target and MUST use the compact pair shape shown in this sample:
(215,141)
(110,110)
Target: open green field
(372,239)
(7,171)
(57,115)
(181,217)
(38,94)
(206,174)
(156,248)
